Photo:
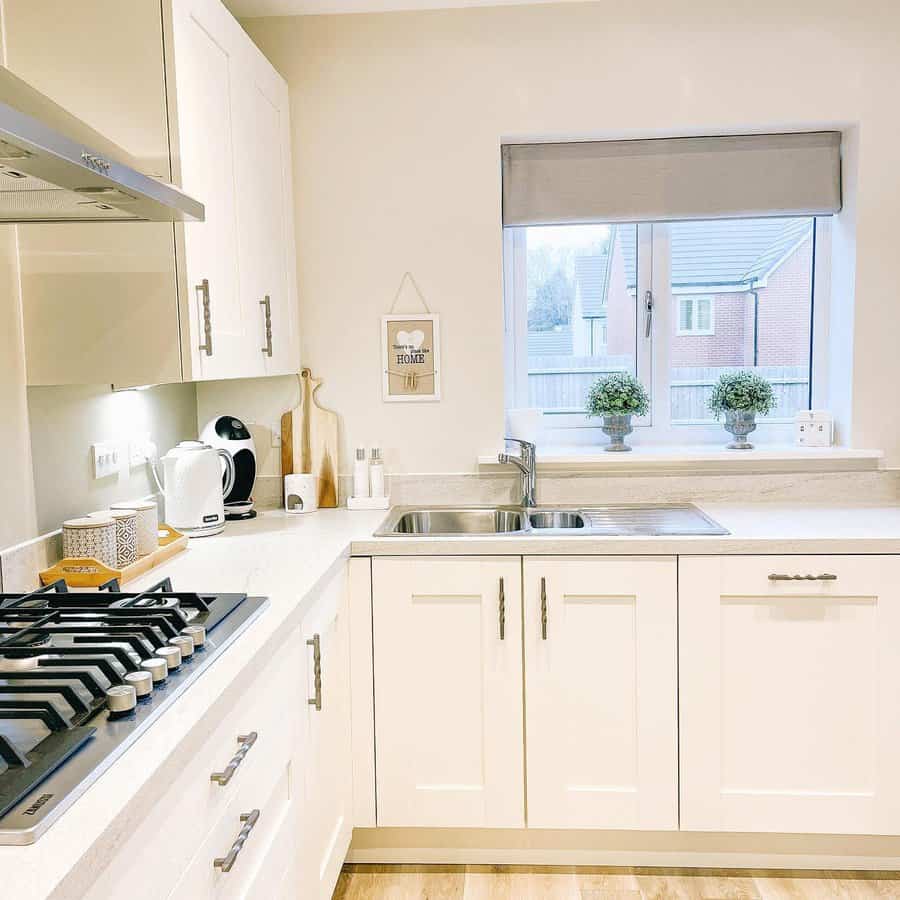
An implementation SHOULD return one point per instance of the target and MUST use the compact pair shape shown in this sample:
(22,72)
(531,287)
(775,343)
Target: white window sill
(701,459)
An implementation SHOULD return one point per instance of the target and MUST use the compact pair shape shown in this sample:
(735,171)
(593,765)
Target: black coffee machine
(231,434)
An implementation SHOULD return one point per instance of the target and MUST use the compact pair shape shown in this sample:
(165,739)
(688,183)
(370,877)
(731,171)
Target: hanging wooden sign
(410,354)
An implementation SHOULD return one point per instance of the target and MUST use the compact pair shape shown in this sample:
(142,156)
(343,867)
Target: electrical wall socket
(140,450)
(108,458)
(276,434)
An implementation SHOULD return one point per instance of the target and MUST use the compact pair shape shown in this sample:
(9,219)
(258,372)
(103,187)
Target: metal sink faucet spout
(526,463)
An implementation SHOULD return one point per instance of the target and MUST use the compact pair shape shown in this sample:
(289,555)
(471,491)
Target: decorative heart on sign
(412,339)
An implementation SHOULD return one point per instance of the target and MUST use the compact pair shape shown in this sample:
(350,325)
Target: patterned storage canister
(90,537)
(147,524)
(126,534)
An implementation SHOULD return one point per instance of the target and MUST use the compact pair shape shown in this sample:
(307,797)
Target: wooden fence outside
(562,382)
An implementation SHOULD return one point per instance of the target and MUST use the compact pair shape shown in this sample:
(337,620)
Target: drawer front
(241,843)
(786,723)
(184,813)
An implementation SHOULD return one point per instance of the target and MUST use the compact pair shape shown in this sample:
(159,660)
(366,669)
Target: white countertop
(288,558)
(284,557)
(755,528)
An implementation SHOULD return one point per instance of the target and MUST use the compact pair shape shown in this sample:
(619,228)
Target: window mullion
(643,343)
(663,306)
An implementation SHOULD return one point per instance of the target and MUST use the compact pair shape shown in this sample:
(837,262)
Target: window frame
(652,357)
(695,300)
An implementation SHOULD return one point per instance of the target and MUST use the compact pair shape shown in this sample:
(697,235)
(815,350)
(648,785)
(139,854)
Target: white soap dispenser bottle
(376,473)
(360,474)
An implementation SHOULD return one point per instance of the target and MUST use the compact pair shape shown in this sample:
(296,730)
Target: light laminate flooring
(382,882)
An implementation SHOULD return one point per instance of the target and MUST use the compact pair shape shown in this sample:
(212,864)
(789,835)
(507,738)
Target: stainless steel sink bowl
(556,518)
(440,521)
(621,520)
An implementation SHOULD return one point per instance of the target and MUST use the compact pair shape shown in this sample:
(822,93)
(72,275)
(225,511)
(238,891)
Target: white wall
(397,122)
(65,421)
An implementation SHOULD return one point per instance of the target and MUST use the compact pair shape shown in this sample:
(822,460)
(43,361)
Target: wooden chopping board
(309,440)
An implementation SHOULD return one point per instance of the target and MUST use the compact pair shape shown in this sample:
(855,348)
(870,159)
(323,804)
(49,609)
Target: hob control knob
(197,633)
(157,668)
(121,699)
(142,682)
(171,655)
(184,644)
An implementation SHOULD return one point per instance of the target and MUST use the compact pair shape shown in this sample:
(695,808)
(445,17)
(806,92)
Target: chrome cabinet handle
(543,609)
(502,610)
(824,577)
(316,700)
(225,863)
(246,742)
(648,307)
(267,308)
(203,290)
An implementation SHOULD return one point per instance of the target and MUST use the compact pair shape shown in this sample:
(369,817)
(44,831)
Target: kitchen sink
(556,518)
(439,521)
(621,520)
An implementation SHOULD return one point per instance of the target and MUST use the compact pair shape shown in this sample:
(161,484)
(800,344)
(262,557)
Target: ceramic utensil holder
(90,538)
(147,524)
(126,534)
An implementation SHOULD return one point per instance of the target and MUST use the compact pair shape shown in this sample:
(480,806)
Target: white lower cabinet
(601,692)
(194,820)
(326,819)
(789,714)
(448,691)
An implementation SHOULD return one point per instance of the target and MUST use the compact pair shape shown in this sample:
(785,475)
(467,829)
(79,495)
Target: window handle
(648,313)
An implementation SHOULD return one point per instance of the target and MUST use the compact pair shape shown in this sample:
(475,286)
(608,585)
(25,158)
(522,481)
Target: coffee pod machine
(229,433)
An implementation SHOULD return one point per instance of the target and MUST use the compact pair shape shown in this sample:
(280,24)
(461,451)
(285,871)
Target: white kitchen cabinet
(448,692)
(789,714)
(601,692)
(193,820)
(327,816)
(186,93)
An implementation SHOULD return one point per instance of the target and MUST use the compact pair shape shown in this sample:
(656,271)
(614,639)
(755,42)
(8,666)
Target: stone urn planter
(740,397)
(739,423)
(615,398)
(617,428)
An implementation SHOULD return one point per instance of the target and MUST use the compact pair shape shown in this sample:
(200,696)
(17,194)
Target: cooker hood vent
(54,168)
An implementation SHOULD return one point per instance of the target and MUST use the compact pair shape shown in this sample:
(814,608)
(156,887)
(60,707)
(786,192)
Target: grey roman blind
(672,178)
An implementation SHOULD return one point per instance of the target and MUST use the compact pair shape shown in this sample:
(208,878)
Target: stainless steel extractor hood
(54,168)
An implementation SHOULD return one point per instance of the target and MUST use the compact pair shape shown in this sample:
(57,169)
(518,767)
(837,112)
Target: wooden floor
(359,882)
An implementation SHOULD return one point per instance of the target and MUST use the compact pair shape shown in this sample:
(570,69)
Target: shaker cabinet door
(265,216)
(327,820)
(601,692)
(789,712)
(209,60)
(448,692)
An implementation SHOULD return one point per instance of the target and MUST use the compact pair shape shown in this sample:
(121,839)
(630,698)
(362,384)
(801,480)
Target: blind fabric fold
(671,179)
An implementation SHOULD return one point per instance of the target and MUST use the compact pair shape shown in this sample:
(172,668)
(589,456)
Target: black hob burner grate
(75,665)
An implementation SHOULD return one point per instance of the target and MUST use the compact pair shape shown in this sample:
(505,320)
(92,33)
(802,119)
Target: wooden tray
(86,572)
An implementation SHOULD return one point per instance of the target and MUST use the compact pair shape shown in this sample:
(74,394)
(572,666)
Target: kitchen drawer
(188,810)
(263,847)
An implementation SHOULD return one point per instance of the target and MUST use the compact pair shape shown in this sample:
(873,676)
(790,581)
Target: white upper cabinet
(789,713)
(601,692)
(182,89)
(448,692)
(265,213)
(207,44)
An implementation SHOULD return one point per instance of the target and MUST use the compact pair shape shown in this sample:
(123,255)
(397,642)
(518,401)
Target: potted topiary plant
(617,397)
(741,396)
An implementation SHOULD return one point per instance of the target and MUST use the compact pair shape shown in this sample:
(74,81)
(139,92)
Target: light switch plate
(107,457)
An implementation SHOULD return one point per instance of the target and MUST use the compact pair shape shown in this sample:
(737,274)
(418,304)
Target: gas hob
(84,674)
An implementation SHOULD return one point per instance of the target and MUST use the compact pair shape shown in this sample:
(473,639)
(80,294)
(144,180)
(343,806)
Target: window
(676,304)
(695,316)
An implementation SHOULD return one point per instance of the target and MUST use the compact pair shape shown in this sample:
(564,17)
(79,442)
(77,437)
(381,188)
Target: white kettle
(194,487)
